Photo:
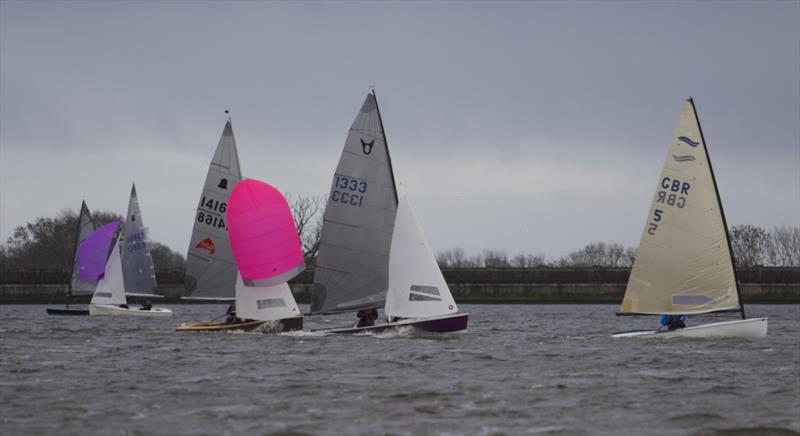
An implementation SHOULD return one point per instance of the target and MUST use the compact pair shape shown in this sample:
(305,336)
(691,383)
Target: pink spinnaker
(93,252)
(263,236)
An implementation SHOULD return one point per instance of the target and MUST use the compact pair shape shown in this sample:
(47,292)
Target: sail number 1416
(214,216)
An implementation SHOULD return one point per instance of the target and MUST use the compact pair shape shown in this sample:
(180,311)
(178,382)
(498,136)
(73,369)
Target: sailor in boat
(367,317)
(232,318)
(672,322)
(124,306)
(147,305)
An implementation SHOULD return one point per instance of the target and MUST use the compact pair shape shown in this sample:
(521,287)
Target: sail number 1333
(348,191)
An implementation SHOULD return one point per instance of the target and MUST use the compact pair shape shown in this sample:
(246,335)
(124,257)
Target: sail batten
(210,268)
(352,268)
(684,263)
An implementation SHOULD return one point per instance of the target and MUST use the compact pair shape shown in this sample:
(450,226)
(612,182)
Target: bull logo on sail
(688,141)
(208,245)
(366,147)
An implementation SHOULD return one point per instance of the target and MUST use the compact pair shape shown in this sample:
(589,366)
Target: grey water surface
(519,369)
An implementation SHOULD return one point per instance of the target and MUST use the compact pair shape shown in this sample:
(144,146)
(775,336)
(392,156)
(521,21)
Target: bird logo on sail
(208,245)
(687,158)
(366,147)
(688,141)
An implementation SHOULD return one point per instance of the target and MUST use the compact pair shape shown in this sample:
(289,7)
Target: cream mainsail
(684,264)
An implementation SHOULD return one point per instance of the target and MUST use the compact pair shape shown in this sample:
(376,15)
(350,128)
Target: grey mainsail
(210,269)
(86,226)
(137,264)
(352,269)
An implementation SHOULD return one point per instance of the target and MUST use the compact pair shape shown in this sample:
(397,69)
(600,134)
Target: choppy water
(524,369)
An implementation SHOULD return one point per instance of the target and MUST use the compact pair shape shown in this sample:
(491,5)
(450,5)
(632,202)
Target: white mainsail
(417,288)
(684,263)
(111,287)
(210,269)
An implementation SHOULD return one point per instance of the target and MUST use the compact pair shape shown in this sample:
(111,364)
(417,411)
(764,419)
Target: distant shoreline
(545,285)
(531,293)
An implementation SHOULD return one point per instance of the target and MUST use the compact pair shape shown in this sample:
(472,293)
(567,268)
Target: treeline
(595,254)
(752,246)
(49,243)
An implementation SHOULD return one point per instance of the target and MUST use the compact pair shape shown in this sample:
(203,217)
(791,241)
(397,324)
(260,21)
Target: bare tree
(784,247)
(750,245)
(459,258)
(527,260)
(453,258)
(598,254)
(630,256)
(308,213)
(495,259)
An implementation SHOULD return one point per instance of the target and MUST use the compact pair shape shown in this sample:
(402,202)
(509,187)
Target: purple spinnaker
(93,252)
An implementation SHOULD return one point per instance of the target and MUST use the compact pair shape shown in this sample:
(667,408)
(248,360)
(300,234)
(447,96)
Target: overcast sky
(525,127)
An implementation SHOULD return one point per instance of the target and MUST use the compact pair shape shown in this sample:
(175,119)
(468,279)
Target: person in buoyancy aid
(232,318)
(367,317)
(147,305)
(673,322)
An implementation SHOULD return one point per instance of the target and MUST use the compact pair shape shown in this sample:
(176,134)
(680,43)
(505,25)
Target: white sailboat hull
(112,310)
(744,328)
(449,323)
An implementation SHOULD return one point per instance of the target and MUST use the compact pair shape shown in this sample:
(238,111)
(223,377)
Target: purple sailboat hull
(441,324)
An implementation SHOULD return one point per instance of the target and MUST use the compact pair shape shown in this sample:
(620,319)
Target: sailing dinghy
(373,252)
(267,252)
(210,268)
(78,287)
(684,264)
(132,272)
(97,264)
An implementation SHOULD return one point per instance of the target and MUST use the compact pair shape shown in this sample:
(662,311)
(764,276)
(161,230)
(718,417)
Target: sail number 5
(651,229)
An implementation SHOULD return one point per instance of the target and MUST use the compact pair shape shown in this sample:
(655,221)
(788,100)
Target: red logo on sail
(207,244)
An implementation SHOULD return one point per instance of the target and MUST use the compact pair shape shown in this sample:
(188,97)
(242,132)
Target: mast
(75,246)
(721,209)
(388,154)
